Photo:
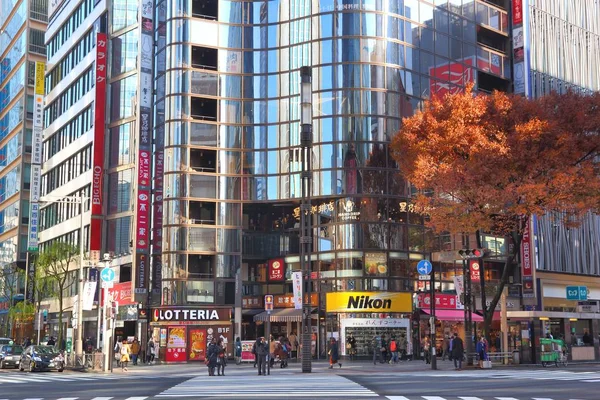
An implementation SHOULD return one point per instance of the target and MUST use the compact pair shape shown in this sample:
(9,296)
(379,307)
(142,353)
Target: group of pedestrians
(452,347)
(216,357)
(389,351)
(126,352)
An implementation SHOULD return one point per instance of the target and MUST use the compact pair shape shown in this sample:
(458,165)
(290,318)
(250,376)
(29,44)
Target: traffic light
(471,253)
(114,309)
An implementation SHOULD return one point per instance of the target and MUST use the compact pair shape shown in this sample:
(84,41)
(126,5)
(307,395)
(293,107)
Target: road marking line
(397,398)
(137,398)
(102,398)
(590,380)
(433,398)
(505,398)
(541,398)
(470,398)
(68,398)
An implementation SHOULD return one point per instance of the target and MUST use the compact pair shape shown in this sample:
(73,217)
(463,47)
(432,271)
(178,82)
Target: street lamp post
(80,199)
(306,139)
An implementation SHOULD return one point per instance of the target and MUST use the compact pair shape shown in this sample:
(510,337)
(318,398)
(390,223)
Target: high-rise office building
(98,149)
(227,100)
(22,27)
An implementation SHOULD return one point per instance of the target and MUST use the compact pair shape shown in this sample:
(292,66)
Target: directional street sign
(577,292)
(424,277)
(107,275)
(424,267)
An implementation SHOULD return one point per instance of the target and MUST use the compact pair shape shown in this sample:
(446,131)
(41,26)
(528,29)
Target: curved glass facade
(232,136)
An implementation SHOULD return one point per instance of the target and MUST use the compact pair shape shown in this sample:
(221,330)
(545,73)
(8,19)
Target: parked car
(40,358)
(10,355)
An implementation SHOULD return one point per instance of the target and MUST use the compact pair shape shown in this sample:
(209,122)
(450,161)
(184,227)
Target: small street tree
(10,277)
(487,163)
(55,263)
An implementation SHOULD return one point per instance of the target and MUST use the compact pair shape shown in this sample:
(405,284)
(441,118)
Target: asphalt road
(410,381)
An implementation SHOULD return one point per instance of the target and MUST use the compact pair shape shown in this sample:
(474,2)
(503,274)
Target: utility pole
(306,138)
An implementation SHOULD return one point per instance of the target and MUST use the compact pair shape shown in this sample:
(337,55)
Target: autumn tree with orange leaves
(486,163)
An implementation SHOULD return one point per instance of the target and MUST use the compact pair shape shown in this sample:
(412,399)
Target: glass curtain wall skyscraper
(232,142)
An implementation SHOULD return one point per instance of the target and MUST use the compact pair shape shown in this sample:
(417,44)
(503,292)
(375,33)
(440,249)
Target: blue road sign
(107,275)
(577,292)
(424,267)
(572,292)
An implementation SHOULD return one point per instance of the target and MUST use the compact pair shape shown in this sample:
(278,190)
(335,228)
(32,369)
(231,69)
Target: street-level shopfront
(184,333)
(367,315)
(577,322)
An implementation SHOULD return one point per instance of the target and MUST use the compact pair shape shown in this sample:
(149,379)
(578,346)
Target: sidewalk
(349,367)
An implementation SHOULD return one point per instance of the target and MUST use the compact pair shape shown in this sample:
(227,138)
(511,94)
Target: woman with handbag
(351,346)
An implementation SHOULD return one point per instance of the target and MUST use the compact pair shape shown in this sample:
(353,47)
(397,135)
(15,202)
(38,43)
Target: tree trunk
(60,320)
(509,267)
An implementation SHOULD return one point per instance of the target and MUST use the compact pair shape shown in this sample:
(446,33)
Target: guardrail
(93,361)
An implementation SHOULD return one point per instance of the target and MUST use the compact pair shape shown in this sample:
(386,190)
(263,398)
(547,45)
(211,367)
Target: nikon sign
(387,302)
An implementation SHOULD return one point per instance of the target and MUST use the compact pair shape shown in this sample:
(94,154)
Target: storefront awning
(280,315)
(454,315)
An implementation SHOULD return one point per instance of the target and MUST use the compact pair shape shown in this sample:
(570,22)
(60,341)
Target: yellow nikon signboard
(369,302)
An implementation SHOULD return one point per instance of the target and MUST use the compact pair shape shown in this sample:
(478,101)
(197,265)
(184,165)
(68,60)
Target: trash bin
(516,357)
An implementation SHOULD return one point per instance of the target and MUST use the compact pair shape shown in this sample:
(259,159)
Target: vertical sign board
(297,283)
(159,145)
(527,262)
(475,269)
(144,153)
(520,47)
(99,134)
(36,172)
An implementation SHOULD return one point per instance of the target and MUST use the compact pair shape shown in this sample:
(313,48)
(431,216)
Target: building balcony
(492,17)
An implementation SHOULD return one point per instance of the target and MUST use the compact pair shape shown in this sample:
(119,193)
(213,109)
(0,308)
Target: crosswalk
(24,378)
(273,386)
(521,374)
(83,398)
(465,398)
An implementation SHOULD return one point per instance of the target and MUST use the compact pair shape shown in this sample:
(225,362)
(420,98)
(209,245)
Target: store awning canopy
(280,315)
(454,315)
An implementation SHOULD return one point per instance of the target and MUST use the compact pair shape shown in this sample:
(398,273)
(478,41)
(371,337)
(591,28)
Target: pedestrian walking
(150,351)
(135,351)
(117,350)
(238,351)
(376,347)
(293,344)
(445,347)
(221,357)
(426,346)
(383,349)
(351,346)
(403,343)
(125,352)
(254,351)
(458,352)
(450,346)
(334,353)
(481,351)
(281,351)
(212,353)
(393,350)
(272,347)
(262,351)
(51,341)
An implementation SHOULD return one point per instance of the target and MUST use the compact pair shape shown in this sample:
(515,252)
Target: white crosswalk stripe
(521,374)
(464,398)
(269,386)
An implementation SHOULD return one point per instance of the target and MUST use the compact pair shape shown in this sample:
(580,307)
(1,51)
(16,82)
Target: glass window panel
(125,52)
(123,95)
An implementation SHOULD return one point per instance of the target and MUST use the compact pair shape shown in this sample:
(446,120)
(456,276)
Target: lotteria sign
(369,302)
(191,314)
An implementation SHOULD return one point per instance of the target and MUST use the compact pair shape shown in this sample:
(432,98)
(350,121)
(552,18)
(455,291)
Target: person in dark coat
(211,355)
(262,351)
(334,353)
(351,346)
(458,352)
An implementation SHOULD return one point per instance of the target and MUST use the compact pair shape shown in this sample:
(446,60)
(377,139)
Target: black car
(10,356)
(40,358)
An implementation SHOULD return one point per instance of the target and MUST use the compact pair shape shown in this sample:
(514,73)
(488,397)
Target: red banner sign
(144,168)
(121,292)
(442,301)
(475,268)
(99,134)
(526,252)
(142,234)
(517,12)
(277,269)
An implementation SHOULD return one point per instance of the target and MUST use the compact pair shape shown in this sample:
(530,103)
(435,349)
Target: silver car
(10,356)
